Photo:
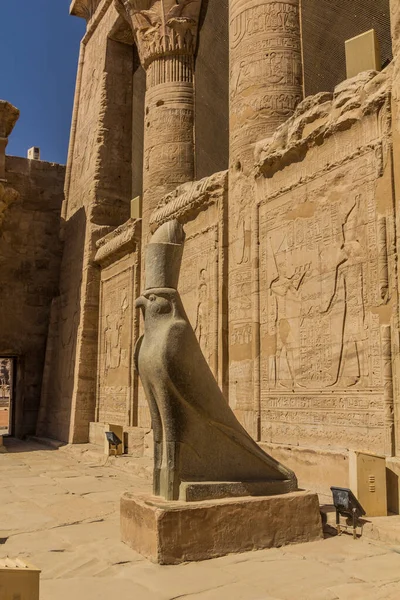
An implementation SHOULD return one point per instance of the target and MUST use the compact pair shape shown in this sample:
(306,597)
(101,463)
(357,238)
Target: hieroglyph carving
(324,276)
(266,68)
(162,27)
(115,345)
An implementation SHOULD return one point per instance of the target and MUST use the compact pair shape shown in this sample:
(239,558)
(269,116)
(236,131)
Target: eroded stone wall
(30,256)
(327,283)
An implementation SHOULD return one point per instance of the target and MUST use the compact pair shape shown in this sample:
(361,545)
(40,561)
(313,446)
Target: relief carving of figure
(202,314)
(317,312)
(348,290)
(112,335)
(286,289)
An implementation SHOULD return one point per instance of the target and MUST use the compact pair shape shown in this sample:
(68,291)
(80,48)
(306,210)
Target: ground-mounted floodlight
(113,440)
(347,505)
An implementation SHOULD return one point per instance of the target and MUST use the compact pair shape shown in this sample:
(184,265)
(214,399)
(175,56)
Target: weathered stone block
(134,441)
(176,532)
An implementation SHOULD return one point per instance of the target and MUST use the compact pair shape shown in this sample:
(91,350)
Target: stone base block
(215,490)
(175,532)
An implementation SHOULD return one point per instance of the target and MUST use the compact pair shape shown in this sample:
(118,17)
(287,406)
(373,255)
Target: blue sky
(39,46)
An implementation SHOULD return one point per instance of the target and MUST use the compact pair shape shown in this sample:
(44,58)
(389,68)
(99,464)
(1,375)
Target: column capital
(162,27)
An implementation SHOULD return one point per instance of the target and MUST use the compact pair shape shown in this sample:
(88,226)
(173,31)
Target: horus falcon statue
(197,437)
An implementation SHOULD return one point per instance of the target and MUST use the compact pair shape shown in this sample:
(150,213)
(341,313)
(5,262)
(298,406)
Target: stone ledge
(176,532)
(189,198)
(197,491)
(123,240)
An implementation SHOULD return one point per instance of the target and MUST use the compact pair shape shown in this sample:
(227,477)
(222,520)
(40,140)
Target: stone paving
(60,513)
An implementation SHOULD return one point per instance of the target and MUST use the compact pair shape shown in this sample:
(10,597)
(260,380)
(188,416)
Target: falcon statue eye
(152,298)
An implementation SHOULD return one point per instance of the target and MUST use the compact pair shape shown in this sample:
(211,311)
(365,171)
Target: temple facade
(236,119)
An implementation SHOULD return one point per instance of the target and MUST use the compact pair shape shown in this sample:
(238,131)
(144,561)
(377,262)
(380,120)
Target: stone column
(168,134)
(265,71)
(265,88)
(166,34)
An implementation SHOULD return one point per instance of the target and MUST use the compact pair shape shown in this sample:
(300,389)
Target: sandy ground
(60,513)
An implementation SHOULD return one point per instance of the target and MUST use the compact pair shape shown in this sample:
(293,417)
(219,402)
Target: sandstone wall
(30,255)
(201,208)
(98,193)
(117,382)
(327,284)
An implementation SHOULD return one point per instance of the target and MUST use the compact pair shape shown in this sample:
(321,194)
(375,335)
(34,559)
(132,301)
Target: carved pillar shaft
(165,32)
(169,122)
(265,71)
(265,87)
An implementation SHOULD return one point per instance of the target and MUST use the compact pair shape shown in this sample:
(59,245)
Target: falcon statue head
(163,263)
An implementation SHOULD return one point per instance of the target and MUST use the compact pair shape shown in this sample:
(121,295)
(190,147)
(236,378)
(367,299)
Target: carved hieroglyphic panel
(115,385)
(323,280)
(198,285)
(200,289)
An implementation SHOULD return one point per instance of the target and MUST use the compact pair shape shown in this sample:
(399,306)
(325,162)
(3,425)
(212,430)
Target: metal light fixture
(347,505)
(113,440)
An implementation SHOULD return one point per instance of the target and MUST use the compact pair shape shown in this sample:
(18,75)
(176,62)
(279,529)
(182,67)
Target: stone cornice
(8,117)
(83,8)
(162,27)
(123,240)
(319,117)
(189,198)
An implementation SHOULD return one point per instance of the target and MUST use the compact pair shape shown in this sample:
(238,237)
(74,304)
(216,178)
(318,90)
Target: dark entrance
(7,369)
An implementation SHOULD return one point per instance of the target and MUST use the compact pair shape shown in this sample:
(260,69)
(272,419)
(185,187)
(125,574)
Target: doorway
(7,369)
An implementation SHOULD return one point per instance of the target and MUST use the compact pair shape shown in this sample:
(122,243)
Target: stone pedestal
(176,532)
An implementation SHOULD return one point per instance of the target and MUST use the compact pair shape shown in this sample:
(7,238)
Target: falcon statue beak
(141,302)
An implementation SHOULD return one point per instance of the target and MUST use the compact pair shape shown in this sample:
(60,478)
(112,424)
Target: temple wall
(201,208)
(98,194)
(118,257)
(327,300)
(30,251)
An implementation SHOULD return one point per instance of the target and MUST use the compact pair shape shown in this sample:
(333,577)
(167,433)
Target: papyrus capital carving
(162,27)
